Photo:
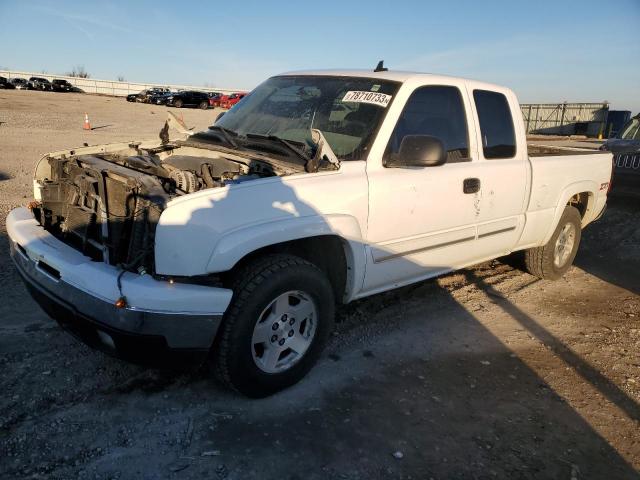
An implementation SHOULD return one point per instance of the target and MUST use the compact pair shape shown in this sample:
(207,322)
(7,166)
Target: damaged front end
(105,210)
(106,201)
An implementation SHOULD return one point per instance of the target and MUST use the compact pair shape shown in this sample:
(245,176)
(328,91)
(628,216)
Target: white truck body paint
(398,225)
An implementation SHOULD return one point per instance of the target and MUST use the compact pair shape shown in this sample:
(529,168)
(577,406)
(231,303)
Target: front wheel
(276,326)
(178,103)
(203,105)
(552,260)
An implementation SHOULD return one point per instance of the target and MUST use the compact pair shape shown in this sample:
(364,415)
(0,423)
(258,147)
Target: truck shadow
(425,378)
(606,387)
(415,386)
(610,246)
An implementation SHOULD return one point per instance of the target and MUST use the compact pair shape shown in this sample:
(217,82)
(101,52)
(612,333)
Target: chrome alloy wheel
(284,331)
(564,245)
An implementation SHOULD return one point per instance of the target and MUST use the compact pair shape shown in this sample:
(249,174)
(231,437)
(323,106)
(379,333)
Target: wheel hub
(284,331)
(564,245)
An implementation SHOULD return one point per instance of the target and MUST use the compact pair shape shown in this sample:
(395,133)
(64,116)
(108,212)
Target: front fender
(233,246)
(210,231)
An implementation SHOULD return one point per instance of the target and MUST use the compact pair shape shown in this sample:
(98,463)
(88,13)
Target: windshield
(348,111)
(631,131)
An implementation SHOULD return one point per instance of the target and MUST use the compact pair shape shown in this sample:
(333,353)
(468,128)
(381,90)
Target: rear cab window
(496,125)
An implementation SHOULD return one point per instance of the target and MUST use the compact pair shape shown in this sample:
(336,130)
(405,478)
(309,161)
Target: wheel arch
(580,195)
(331,253)
(332,243)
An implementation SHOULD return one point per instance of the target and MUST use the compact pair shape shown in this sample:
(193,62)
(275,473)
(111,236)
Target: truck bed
(537,150)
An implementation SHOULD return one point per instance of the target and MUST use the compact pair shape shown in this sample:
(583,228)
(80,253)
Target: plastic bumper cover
(80,294)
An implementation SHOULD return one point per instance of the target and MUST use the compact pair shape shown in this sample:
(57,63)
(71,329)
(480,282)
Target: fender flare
(588,186)
(236,244)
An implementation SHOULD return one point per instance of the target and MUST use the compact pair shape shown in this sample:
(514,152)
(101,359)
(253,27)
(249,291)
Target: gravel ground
(485,373)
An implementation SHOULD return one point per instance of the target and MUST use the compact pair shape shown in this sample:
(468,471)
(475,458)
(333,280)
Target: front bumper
(161,317)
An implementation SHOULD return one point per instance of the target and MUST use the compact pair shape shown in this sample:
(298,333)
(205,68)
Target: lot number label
(380,99)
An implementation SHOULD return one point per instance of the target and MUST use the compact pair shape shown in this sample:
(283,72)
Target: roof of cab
(394,75)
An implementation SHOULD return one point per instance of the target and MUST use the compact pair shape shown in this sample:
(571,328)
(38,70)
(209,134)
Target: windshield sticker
(380,99)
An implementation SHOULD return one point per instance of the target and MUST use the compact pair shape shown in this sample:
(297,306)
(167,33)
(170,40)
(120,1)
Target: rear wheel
(552,260)
(203,105)
(178,103)
(277,324)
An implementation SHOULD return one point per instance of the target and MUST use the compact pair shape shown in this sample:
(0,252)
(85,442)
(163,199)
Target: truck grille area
(107,211)
(627,162)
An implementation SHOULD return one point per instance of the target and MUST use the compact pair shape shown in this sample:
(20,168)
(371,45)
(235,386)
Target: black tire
(256,287)
(203,105)
(540,261)
(178,103)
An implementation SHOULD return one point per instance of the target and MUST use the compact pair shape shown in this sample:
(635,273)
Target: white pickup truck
(234,244)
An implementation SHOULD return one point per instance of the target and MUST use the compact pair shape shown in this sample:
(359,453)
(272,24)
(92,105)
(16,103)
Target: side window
(496,124)
(437,111)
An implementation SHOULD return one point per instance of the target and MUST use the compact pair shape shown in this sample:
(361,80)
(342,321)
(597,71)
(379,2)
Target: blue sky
(547,51)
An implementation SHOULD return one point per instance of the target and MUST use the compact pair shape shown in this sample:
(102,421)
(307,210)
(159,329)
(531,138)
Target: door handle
(471,185)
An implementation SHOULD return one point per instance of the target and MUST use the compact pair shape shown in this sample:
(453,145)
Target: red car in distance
(214,100)
(229,101)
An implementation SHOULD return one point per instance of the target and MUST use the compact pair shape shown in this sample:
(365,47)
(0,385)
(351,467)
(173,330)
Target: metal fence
(565,118)
(111,87)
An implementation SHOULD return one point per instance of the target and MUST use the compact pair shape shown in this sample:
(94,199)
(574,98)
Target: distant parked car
(19,83)
(188,98)
(4,83)
(145,95)
(40,83)
(61,85)
(232,99)
(155,92)
(159,98)
(214,100)
(626,158)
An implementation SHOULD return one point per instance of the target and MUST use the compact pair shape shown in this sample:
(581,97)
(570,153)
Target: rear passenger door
(503,167)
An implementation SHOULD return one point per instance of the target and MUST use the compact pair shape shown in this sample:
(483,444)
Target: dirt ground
(484,373)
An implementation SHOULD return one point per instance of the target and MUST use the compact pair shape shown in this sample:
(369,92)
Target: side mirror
(419,151)
(218,117)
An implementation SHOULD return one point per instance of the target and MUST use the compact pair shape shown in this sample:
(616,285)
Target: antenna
(381,67)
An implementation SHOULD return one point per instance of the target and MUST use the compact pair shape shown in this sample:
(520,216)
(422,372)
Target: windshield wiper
(289,145)
(226,134)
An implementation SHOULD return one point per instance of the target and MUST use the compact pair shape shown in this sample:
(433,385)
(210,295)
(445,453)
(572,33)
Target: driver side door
(422,220)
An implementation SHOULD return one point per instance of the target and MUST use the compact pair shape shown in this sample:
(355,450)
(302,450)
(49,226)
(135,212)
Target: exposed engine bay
(106,200)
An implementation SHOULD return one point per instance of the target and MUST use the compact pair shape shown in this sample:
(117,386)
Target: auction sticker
(374,98)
